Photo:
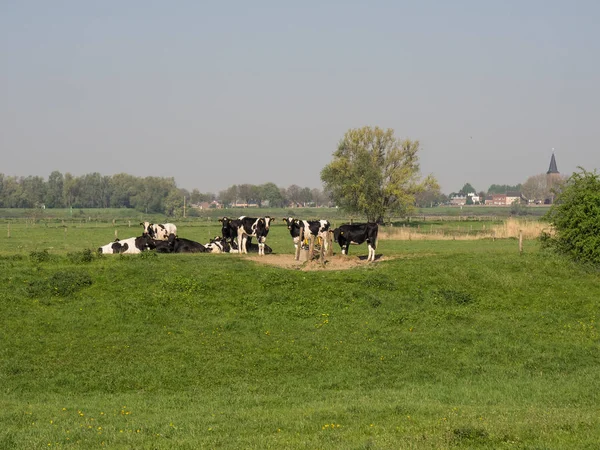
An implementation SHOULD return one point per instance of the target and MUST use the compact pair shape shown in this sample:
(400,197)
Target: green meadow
(437,344)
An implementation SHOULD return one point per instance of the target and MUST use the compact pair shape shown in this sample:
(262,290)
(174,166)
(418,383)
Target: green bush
(60,284)
(40,256)
(575,217)
(83,256)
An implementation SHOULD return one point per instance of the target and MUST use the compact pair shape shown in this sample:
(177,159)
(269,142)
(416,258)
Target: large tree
(375,174)
(575,217)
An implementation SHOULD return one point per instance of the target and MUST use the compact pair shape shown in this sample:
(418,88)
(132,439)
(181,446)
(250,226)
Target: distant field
(438,344)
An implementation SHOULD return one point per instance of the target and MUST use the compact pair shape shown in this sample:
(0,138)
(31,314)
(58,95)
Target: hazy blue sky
(222,93)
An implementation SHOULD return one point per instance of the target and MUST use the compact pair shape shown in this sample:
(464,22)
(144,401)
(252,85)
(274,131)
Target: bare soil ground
(337,262)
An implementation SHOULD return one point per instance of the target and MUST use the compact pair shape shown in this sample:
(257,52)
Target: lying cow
(316,228)
(129,245)
(175,245)
(158,231)
(220,245)
(357,234)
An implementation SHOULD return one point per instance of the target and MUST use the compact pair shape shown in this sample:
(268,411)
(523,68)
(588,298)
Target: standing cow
(253,227)
(357,234)
(316,228)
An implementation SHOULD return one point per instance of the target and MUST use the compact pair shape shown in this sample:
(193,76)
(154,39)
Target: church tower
(553,178)
(553,168)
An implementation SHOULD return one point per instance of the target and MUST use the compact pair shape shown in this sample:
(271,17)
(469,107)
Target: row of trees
(373,174)
(541,187)
(271,195)
(149,194)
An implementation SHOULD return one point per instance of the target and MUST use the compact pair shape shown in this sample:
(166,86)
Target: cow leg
(371,253)
(241,242)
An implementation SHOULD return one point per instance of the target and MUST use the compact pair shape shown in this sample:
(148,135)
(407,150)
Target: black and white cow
(176,244)
(129,245)
(316,228)
(158,231)
(219,245)
(229,229)
(357,234)
(255,227)
(182,245)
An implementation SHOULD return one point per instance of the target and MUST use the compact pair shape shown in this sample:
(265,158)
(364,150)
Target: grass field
(438,344)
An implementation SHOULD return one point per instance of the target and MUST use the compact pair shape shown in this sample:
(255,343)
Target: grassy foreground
(450,345)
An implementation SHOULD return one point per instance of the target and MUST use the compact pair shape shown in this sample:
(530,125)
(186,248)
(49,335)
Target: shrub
(575,217)
(40,256)
(84,256)
(60,284)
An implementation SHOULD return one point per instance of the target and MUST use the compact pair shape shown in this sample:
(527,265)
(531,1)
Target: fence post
(299,247)
(520,242)
(311,247)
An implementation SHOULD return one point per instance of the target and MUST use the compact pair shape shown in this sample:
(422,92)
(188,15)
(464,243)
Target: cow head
(147,227)
(289,221)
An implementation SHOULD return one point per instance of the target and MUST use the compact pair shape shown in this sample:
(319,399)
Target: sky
(221,93)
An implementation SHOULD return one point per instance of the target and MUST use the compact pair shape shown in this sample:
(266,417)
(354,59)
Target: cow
(219,245)
(316,228)
(176,244)
(159,231)
(181,245)
(256,227)
(357,234)
(129,245)
(229,229)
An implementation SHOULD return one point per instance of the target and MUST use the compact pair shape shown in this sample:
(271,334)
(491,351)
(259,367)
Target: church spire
(553,168)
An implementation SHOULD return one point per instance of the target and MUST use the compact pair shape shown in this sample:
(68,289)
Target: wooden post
(520,242)
(311,247)
(116,232)
(299,247)
(322,253)
(329,243)
(129,223)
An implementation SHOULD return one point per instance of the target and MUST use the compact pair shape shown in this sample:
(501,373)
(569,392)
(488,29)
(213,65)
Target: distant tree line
(146,194)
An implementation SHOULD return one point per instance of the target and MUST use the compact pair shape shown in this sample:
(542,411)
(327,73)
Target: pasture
(437,344)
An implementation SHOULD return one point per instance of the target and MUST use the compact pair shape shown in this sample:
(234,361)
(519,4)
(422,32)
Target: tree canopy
(575,216)
(375,174)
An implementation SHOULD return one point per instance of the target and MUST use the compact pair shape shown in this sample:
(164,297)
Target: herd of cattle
(236,237)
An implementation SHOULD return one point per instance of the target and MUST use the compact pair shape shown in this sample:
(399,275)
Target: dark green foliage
(454,296)
(575,217)
(470,433)
(83,256)
(60,284)
(40,256)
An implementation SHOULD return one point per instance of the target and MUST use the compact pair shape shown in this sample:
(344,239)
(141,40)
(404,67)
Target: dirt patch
(337,262)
